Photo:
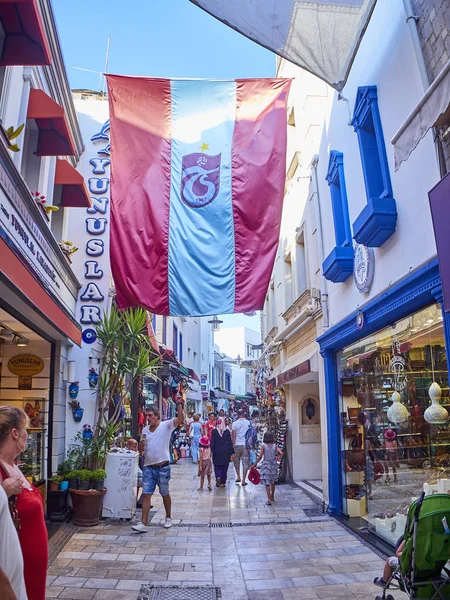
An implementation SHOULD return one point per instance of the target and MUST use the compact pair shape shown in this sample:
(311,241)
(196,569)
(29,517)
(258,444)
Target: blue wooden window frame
(181,347)
(378,220)
(227,382)
(175,340)
(154,323)
(338,265)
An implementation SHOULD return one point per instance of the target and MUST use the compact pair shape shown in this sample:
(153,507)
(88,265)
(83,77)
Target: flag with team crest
(197,181)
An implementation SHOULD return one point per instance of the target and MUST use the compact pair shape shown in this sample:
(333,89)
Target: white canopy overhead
(432,110)
(321,36)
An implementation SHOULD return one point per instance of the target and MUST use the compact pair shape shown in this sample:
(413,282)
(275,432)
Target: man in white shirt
(241,452)
(12,584)
(156,472)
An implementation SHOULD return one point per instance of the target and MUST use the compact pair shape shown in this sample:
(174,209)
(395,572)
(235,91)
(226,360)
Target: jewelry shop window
(395,436)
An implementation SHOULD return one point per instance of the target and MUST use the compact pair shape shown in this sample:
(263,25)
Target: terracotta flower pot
(87,507)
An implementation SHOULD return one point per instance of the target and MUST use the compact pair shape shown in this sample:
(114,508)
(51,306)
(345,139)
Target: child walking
(269,468)
(204,463)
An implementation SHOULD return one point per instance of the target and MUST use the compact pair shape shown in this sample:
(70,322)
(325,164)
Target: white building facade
(40,146)
(241,345)
(387,334)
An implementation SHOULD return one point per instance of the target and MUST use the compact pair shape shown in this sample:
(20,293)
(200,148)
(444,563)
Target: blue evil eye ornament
(89,336)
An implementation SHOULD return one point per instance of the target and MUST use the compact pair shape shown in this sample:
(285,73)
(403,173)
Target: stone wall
(434,31)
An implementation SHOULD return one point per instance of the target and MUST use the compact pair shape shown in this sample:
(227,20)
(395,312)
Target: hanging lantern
(215,323)
(435,413)
(397,413)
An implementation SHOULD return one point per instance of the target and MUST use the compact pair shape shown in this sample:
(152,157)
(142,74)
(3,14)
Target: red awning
(25,40)
(74,192)
(54,133)
(193,375)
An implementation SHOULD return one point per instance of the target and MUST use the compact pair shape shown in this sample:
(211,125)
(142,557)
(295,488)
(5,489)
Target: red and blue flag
(197,183)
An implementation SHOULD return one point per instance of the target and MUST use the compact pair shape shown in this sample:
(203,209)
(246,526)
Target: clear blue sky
(156,38)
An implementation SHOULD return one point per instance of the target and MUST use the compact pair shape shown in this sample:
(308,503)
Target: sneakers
(140,528)
(167,523)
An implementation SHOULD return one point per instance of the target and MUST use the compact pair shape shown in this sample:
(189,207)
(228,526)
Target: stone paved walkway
(262,556)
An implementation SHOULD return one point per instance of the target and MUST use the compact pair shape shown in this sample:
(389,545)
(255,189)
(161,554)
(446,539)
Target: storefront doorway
(26,382)
(393,445)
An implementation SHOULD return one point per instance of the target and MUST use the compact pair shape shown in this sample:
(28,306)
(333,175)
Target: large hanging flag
(197,181)
(321,36)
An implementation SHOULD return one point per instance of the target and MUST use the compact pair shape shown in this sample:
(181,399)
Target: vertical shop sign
(96,223)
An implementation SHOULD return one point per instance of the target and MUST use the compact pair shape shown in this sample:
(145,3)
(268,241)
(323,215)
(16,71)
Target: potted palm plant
(126,354)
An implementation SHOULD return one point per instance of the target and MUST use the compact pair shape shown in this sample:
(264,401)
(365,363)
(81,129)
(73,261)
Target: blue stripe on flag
(201,227)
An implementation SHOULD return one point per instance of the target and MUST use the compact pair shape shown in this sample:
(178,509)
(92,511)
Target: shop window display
(393,444)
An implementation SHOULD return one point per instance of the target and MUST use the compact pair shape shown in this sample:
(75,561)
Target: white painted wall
(386,58)
(306,459)
(234,341)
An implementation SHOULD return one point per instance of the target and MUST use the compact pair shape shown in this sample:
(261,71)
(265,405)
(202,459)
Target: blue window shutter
(181,346)
(338,265)
(378,220)
(165,331)
(154,323)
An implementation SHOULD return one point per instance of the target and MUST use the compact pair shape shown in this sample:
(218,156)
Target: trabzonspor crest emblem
(200,179)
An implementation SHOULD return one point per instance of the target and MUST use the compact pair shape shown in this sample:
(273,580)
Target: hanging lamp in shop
(397,412)
(435,413)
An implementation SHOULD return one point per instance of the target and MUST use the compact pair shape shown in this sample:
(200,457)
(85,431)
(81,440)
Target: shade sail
(432,110)
(74,191)
(321,36)
(54,133)
(25,41)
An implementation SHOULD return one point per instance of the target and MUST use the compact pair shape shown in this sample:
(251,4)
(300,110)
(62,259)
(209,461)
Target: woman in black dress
(222,450)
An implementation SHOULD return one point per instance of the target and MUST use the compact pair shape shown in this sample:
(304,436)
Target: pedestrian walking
(204,465)
(209,425)
(269,468)
(26,500)
(241,452)
(228,424)
(222,452)
(156,472)
(195,434)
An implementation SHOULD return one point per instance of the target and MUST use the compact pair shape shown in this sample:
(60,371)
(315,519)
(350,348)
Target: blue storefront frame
(416,291)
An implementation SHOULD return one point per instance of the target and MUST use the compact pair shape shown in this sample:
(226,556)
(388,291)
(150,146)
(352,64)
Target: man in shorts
(241,452)
(156,471)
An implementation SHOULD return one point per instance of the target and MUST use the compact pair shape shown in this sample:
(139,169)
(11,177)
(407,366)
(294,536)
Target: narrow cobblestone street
(287,551)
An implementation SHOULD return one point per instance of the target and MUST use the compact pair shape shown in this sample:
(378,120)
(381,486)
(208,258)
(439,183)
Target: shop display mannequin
(391,454)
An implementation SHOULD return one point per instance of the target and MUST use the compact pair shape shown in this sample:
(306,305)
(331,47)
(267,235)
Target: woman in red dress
(30,507)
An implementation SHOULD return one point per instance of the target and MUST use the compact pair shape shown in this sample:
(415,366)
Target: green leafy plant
(71,475)
(126,353)
(85,475)
(56,479)
(98,475)
(67,247)
(74,404)
(12,134)
(64,468)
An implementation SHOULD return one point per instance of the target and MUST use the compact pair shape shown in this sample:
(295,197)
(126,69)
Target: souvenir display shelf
(31,461)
